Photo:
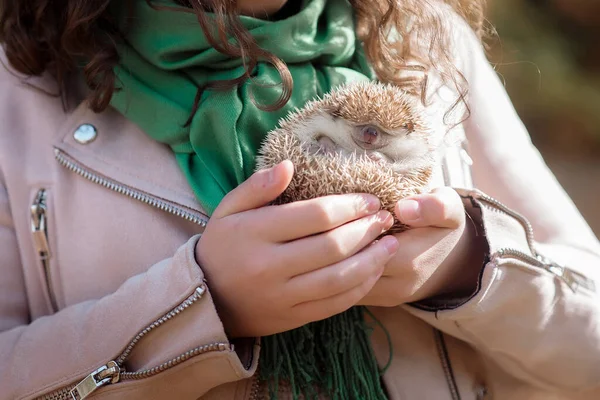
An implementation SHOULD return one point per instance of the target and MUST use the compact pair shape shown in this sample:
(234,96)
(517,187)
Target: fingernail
(386,219)
(391,244)
(373,203)
(409,210)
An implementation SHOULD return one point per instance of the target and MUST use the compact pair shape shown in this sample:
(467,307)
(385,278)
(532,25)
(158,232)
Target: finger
(344,276)
(299,219)
(442,208)
(328,248)
(415,270)
(261,188)
(320,309)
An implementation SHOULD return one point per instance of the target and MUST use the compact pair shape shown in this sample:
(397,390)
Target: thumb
(442,208)
(260,189)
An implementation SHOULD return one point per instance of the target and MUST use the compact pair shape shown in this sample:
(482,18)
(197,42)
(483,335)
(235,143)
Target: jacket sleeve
(537,309)
(156,323)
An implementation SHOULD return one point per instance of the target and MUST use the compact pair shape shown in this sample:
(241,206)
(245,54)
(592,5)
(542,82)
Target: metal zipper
(39,231)
(499,205)
(446,364)
(573,279)
(255,388)
(72,165)
(114,371)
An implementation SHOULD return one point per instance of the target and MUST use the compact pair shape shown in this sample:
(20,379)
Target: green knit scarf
(164,59)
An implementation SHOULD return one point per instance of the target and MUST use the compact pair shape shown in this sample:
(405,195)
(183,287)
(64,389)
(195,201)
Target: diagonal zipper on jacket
(184,212)
(573,279)
(114,371)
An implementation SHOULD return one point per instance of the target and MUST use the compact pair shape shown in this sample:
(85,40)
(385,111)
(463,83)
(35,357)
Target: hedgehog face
(361,138)
(403,147)
(381,122)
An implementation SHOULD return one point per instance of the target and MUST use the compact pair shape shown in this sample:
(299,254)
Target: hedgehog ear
(409,126)
(331,110)
(330,107)
(335,112)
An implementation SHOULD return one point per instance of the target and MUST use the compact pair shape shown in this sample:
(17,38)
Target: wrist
(463,266)
(470,255)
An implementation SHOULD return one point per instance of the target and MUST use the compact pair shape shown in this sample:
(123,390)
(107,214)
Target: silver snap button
(85,134)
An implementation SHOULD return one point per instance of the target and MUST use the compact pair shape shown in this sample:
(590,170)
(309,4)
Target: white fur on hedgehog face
(326,134)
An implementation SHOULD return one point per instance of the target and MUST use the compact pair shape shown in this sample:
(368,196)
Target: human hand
(275,268)
(440,255)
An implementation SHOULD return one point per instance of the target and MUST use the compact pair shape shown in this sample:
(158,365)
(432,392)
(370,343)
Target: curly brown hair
(64,36)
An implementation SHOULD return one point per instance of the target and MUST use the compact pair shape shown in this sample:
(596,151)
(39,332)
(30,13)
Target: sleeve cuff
(450,302)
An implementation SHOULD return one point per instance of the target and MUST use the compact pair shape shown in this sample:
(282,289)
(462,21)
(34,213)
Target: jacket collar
(123,154)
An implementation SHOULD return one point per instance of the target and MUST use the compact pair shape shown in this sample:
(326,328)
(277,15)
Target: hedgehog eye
(370,134)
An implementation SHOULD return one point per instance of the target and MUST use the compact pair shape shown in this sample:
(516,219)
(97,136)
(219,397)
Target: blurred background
(548,54)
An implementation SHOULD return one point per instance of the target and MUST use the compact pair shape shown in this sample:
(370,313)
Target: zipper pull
(38,225)
(573,279)
(105,375)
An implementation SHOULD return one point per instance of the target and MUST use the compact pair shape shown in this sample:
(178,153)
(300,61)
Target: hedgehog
(363,137)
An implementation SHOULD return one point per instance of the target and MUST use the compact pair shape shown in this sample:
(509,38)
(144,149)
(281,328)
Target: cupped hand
(442,253)
(275,268)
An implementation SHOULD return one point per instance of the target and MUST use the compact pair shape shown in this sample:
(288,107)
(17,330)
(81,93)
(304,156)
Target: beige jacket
(98,277)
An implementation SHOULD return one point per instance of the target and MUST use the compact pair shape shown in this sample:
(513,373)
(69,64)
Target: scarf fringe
(331,357)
